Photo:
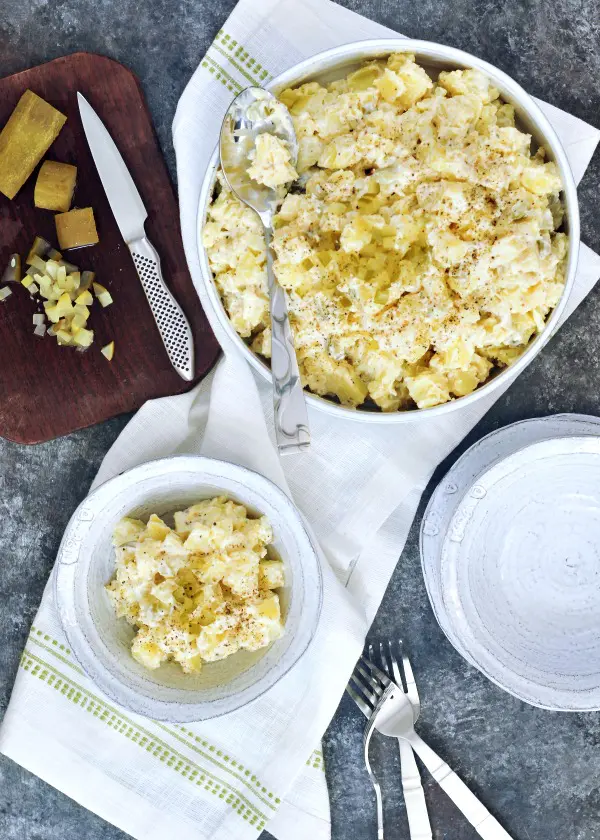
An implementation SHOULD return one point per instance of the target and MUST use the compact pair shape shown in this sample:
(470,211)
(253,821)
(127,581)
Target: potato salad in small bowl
(187,587)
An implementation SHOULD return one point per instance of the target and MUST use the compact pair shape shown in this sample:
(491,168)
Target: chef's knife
(130,214)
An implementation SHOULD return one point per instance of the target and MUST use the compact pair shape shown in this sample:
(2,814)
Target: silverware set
(384,689)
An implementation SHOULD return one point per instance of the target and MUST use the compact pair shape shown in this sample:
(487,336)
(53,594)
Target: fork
(391,713)
(416,809)
(368,733)
(414,797)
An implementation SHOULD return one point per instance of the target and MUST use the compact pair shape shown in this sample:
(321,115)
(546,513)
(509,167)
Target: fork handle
(478,815)
(414,797)
(376,786)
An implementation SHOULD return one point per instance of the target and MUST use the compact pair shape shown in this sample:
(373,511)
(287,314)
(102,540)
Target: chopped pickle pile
(65,292)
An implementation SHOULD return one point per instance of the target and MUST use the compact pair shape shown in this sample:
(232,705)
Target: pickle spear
(30,131)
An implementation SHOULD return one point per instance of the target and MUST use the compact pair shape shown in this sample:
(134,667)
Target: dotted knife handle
(172,324)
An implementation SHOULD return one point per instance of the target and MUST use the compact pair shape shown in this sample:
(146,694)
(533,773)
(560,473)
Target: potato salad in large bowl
(421,247)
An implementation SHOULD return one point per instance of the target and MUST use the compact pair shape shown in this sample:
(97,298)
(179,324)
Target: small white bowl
(334,64)
(101,642)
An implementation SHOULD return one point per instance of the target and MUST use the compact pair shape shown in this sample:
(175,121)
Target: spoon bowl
(254,111)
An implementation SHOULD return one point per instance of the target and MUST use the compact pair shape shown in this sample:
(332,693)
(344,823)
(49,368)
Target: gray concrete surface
(538,771)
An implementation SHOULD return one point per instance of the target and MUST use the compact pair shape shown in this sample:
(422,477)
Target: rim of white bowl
(511,90)
(68,603)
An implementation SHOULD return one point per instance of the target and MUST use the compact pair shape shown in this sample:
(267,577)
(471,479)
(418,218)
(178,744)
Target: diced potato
(271,574)
(364,77)
(269,608)
(108,351)
(55,186)
(127,530)
(156,528)
(30,131)
(76,229)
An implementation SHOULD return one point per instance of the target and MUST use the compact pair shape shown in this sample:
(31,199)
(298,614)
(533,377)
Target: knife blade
(130,214)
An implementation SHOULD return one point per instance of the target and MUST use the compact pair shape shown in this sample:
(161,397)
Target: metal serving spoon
(255,111)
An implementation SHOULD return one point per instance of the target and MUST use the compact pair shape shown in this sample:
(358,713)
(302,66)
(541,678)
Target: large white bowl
(102,643)
(336,63)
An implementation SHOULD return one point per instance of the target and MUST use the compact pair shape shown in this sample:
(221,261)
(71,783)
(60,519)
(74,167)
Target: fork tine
(383,658)
(364,690)
(365,709)
(395,668)
(373,684)
(377,672)
(411,685)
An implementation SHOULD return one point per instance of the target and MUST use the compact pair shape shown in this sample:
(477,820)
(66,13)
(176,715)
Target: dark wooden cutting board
(47,390)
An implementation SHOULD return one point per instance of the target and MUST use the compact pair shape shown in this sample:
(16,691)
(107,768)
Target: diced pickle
(40,248)
(39,263)
(30,131)
(55,186)
(87,278)
(76,229)
(108,351)
(103,295)
(65,291)
(12,272)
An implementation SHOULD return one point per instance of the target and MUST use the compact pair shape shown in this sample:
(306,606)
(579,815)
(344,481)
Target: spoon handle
(291,415)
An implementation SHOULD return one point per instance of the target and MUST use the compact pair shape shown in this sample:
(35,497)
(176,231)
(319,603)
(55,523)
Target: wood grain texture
(46,390)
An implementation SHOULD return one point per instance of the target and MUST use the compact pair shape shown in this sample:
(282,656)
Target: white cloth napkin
(358,487)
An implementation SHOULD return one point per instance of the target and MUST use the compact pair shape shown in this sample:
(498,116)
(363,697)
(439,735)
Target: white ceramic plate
(102,643)
(508,546)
